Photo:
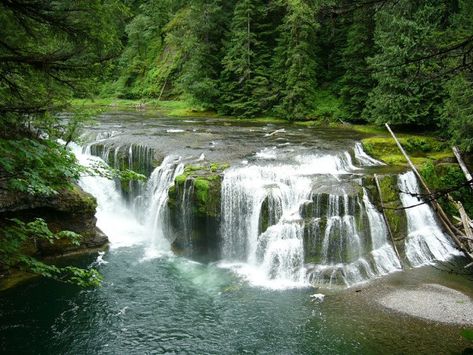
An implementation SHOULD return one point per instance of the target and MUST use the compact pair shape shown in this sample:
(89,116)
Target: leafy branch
(16,234)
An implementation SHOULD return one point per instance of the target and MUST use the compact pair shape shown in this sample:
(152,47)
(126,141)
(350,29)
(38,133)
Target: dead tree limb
(462,164)
(385,217)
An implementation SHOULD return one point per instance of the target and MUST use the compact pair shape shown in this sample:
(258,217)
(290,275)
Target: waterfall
(157,214)
(363,158)
(276,254)
(276,216)
(425,242)
(349,241)
(147,222)
(114,217)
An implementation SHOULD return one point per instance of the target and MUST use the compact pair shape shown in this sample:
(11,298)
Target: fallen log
(462,164)
(378,187)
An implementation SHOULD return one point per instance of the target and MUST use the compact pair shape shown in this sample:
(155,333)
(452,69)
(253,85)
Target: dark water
(176,306)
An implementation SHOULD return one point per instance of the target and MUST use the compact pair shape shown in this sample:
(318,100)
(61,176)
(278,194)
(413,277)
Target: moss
(201,188)
(446,176)
(181,179)
(419,148)
(396,218)
(206,181)
(214,167)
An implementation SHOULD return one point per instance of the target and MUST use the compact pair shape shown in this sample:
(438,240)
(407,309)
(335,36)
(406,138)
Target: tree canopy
(362,61)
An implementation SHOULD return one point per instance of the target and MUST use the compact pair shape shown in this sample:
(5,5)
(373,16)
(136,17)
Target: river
(248,299)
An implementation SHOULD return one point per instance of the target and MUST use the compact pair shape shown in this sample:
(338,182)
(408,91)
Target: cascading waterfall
(157,214)
(363,158)
(267,231)
(426,242)
(307,220)
(348,242)
(113,215)
(277,253)
(149,223)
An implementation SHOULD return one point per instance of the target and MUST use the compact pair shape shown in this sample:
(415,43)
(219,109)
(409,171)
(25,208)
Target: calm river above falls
(250,292)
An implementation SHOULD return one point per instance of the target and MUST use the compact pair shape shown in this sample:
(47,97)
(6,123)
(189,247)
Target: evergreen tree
(405,92)
(50,51)
(144,45)
(202,48)
(245,76)
(295,61)
(356,83)
(457,110)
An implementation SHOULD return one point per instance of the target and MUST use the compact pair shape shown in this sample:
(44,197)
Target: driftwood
(282,130)
(385,217)
(462,164)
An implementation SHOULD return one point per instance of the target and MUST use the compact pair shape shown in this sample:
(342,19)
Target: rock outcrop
(194,202)
(71,209)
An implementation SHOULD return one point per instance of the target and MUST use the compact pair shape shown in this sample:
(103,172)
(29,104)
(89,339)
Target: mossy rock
(396,216)
(419,148)
(206,180)
(200,187)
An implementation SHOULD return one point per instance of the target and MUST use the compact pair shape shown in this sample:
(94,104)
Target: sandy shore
(432,302)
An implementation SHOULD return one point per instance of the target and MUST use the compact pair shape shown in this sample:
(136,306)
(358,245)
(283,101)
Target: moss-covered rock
(71,209)
(420,149)
(395,215)
(194,202)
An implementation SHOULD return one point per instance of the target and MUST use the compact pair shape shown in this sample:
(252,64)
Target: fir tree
(295,62)
(405,92)
(245,75)
(356,83)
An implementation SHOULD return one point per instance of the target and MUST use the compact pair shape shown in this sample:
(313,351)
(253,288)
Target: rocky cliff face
(71,209)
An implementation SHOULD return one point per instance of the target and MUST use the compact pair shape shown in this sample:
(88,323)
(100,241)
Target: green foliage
(103,170)
(467,334)
(245,80)
(457,112)
(200,40)
(327,107)
(37,167)
(51,50)
(405,94)
(16,234)
(295,65)
(356,82)
(377,61)
(443,177)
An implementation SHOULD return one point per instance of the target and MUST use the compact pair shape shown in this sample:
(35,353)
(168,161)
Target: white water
(351,252)
(115,217)
(275,258)
(363,158)
(425,242)
(346,230)
(156,211)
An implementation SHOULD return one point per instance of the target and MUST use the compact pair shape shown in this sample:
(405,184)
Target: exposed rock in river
(71,209)
(194,202)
